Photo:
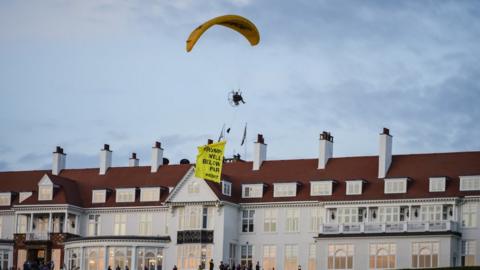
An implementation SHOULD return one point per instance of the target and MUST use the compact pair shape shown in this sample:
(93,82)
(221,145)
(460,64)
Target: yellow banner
(209,161)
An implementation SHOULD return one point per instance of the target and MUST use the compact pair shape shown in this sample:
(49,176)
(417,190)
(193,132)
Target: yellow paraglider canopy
(235,22)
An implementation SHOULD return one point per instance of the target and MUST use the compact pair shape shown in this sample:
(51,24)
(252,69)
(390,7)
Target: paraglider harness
(237,98)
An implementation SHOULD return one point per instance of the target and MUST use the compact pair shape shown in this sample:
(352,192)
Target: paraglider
(234,22)
(235,97)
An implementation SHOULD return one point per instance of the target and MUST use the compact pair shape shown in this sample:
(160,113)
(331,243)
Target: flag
(244,135)
(210,161)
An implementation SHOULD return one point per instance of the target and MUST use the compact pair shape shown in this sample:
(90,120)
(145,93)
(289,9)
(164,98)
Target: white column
(77,227)
(16,223)
(105,258)
(31,223)
(65,223)
(368,215)
(49,222)
(134,258)
(410,213)
(82,259)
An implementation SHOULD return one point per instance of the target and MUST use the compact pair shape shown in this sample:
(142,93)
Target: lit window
(425,254)
(120,224)
(468,252)
(226,188)
(150,194)
(45,193)
(270,220)
(469,183)
(291,225)
(291,257)
(125,195)
(340,256)
(247,220)
(146,224)
(193,187)
(190,257)
(383,256)
(469,215)
(437,184)
(94,225)
(354,187)
(99,196)
(395,186)
(312,257)
(285,190)
(269,255)
(24,195)
(252,191)
(5,198)
(320,188)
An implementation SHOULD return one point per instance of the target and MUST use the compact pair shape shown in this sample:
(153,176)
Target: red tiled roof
(76,184)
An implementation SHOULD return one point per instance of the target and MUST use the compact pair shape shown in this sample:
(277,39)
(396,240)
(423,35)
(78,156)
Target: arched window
(425,254)
(383,256)
(340,256)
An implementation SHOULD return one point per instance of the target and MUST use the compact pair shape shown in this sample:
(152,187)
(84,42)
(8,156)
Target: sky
(83,73)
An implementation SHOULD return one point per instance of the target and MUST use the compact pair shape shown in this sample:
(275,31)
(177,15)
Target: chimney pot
(260,138)
(59,150)
(133,161)
(158,145)
(134,155)
(386,131)
(106,147)
(210,141)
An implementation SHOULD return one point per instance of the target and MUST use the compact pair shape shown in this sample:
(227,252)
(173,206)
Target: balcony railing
(413,226)
(37,236)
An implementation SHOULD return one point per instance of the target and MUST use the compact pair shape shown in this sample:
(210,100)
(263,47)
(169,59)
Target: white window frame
(145,224)
(193,187)
(125,195)
(437,184)
(469,249)
(5,198)
(292,220)
(469,215)
(269,256)
(321,188)
(333,254)
(43,195)
(24,195)
(285,189)
(433,248)
(470,183)
(248,219)
(252,190)
(270,220)
(391,250)
(102,196)
(395,185)
(150,194)
(226,188)
(316,218)
(354,187)
(94,225)
(291,259)
(1,228)
(120,224)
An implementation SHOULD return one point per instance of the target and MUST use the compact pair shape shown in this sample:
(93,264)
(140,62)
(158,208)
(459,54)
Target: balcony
(37,236)
(399,227)
(195,237)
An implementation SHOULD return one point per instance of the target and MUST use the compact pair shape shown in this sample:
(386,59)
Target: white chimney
(385,154)
(157,157)
(259,152)
(105,159)
(325,149)
(133,161)
(59,160)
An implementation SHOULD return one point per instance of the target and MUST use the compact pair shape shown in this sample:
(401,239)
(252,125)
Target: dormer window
(321,188)
(125,195)
(226,188)
(99,196)
(284,189)
(150,194)
(23,196)
(395,185)
(45,192)
(252,191)
(5,198)
(354,187)
(437,184)
(470,183)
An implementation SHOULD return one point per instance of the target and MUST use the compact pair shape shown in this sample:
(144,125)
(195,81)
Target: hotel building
(368,212)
